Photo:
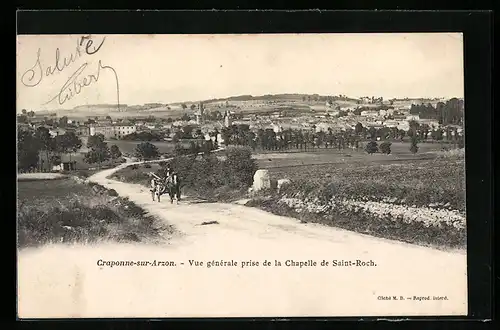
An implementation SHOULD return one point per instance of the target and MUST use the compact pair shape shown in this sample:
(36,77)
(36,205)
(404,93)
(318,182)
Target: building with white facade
(369,113)
(413,117)
(112,131)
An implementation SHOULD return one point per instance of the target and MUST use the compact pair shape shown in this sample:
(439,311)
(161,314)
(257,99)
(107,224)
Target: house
(65,166)
(122,130)
(369,113)
(391,123)
(413,117)
(82,131)
(323,127)
(430,122)
(276,128)
(56,131)
(106,130)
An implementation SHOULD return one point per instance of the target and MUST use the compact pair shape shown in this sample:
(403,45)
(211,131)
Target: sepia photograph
(241,175)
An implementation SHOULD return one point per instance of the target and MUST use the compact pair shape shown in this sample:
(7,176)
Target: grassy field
(342,158)
(67,211)
(419,201)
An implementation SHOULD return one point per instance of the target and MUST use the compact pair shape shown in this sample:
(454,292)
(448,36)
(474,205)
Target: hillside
(243,103)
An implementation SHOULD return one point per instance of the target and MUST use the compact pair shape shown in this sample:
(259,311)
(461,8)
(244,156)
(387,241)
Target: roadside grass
(71,211)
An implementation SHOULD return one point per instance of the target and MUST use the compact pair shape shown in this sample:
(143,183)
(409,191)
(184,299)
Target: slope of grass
(420,202)
(67,211)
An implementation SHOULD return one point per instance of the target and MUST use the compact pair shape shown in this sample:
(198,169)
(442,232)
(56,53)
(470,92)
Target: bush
(146,150)
(385,147)
(112,193)
(147,165)
(371,147)
(413,146)
(240,166)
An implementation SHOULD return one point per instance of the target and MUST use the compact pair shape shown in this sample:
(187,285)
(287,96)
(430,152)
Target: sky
(175,68)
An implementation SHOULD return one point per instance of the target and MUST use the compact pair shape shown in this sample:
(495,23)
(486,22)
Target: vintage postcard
(258,175)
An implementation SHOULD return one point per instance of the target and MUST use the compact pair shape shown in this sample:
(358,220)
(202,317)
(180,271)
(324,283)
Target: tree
(97,156)
(193,107)
(373,132)
(22,119)
(185,117)
(385,147)
(115,152)
(146,150)
(27,150)
(46,143)
(226,135)
(359,128)
(371,147)
(71,142)
(414,146)
(24,112)
(99,151)
(187,131)
(193,148)
(96,141)
(63,121)
(240,166)
(198,134)
(176,137)
(55,160)
(178,149)
(437,134)
(184,106)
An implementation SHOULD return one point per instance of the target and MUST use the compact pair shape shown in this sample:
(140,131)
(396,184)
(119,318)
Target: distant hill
(176,109)
(107,106)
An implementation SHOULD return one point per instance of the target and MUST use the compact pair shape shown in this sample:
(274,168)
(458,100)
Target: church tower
(227,119)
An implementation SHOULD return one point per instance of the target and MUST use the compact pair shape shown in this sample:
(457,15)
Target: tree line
(38,150)
(304,139)
(451,112)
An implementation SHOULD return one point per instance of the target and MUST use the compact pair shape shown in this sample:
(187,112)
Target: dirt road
(59,281)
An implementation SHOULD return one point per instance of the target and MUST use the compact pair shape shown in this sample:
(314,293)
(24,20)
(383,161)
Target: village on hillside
(317,120)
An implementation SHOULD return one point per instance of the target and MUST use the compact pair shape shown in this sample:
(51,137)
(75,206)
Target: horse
(157,189)
(173,187)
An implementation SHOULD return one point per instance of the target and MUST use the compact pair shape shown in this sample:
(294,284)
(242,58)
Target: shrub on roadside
(414,146)
(385,147)
(371,147)
(239,166)
(112,193)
